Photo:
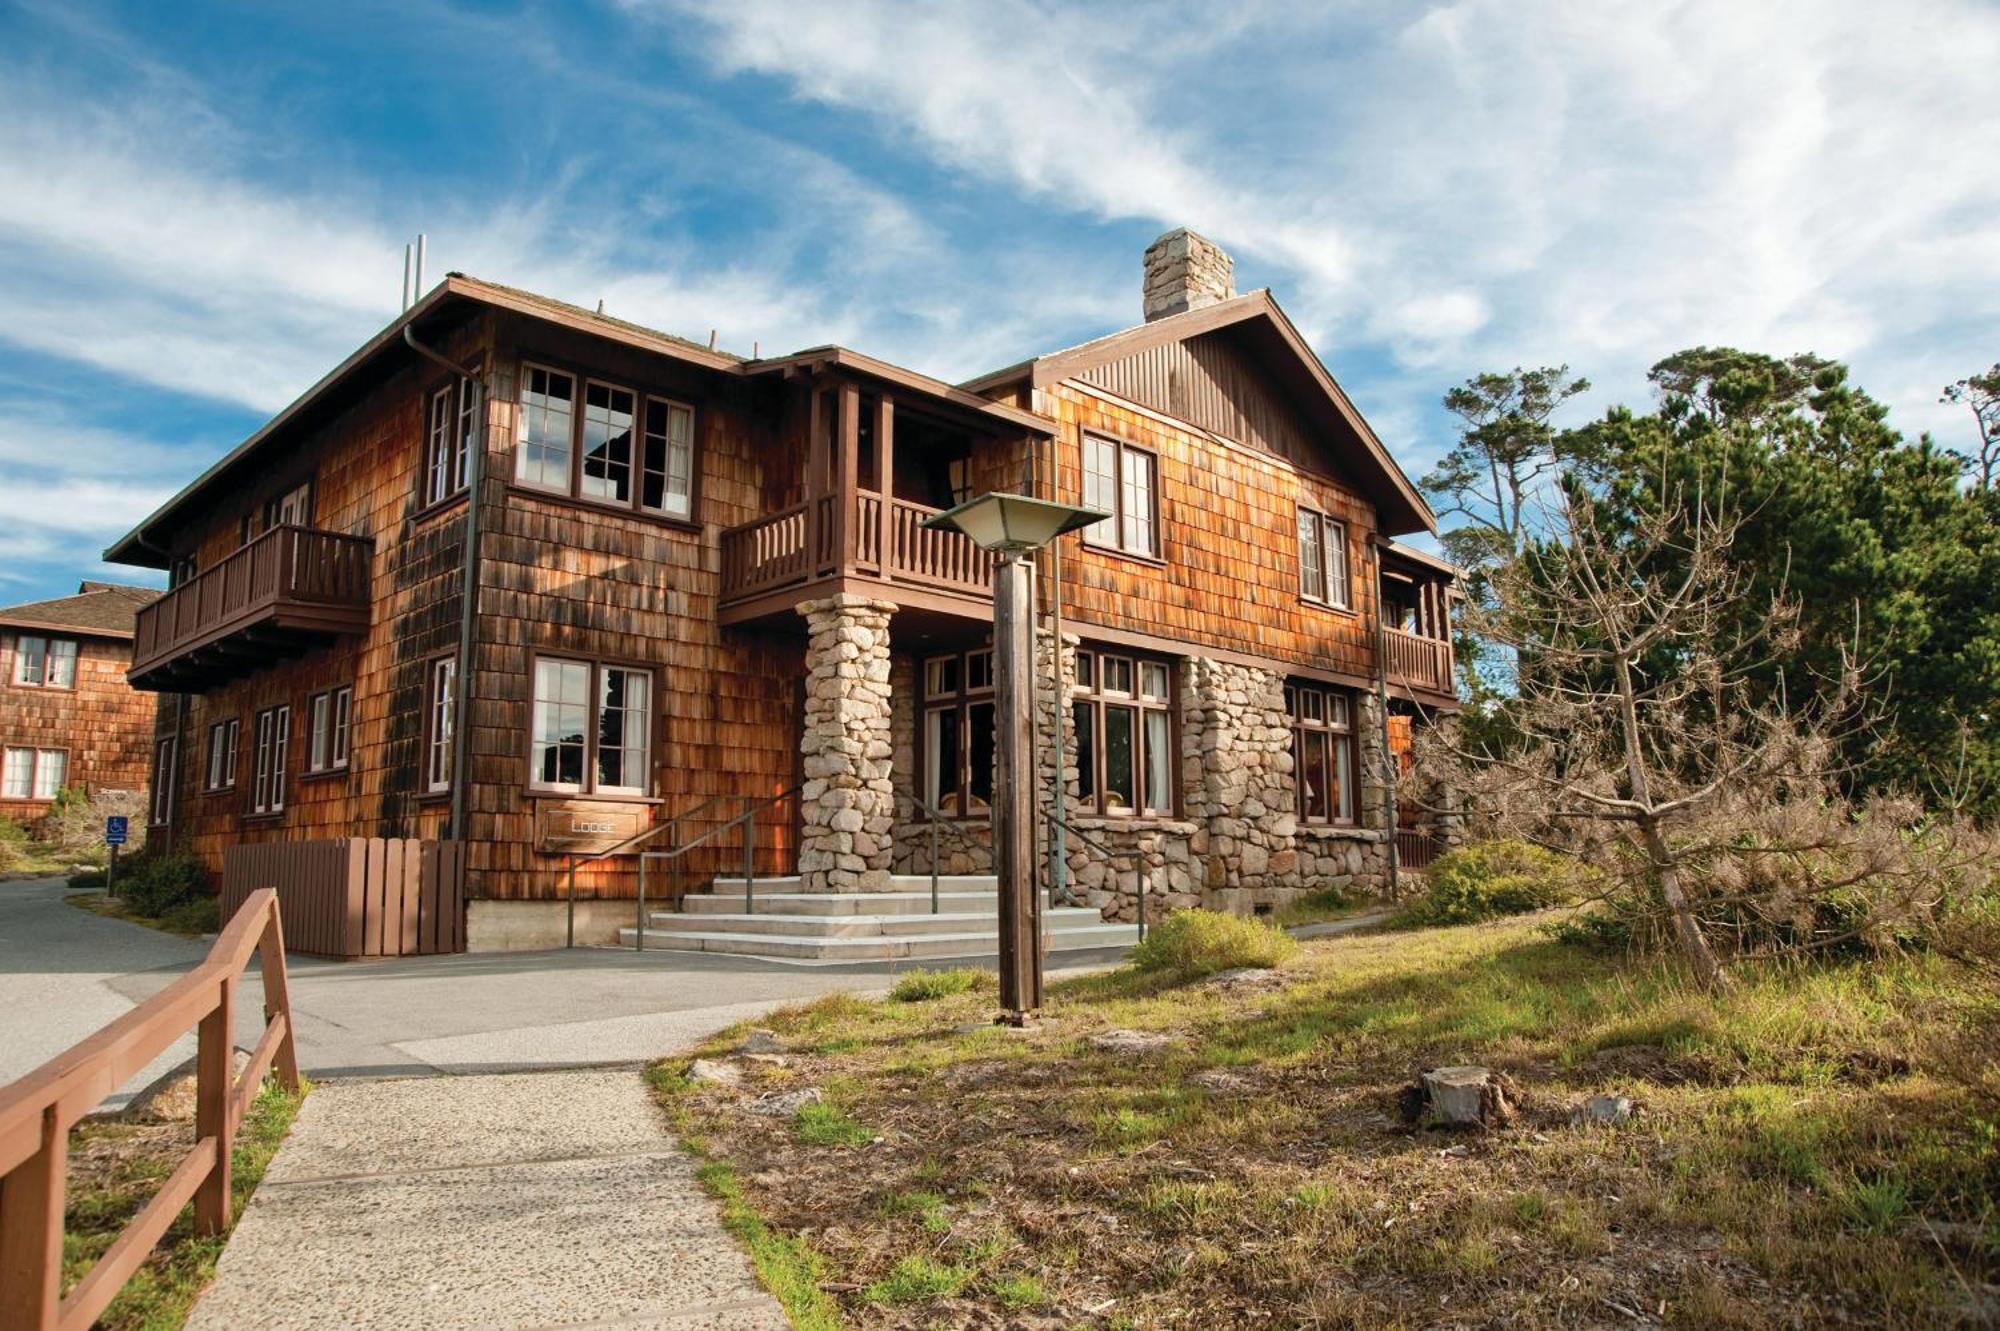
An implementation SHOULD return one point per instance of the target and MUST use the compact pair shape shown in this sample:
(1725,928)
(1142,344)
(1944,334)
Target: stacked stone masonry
(847,804)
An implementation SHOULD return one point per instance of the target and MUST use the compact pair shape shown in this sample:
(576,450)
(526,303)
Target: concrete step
(839,903)
(901,924)
(902,882)
(967,944)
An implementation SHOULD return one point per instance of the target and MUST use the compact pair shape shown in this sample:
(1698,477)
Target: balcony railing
(1414,662)
(290,584)
(800,544)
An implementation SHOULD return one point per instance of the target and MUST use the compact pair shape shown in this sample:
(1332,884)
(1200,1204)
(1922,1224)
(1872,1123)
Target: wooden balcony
(1416,664)
(291,589)
(779,556)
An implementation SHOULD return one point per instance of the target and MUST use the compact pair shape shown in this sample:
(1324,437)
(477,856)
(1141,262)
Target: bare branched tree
(1980,394)
(1637,739)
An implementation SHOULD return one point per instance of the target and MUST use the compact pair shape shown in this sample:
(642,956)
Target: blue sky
(203,206)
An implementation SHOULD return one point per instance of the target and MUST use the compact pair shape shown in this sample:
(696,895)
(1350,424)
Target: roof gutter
(468,583)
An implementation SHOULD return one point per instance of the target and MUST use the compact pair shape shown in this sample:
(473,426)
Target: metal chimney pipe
(417,293)
(406,280)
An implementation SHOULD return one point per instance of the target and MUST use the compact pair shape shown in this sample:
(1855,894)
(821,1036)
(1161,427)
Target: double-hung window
(1121,480)
(621,448)
(273,747)
(223,739)
(1123,713)
(329,724)
(958,733)
(1323,575)
(162,809)
(440,724)
(44,663)
(449,438)
(592,728)
(34,774)
(1322,721)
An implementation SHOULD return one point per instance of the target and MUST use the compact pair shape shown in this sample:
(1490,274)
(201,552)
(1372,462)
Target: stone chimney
(1184,272)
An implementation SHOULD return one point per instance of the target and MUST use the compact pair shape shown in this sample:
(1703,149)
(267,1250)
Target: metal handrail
(747,820)
(643,834)
(1093,843)
(937,822)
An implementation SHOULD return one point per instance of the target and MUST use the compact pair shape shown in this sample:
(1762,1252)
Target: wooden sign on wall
(580,827)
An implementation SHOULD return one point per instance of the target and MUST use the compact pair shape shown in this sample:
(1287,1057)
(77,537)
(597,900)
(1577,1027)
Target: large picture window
(44,663)
(1323,756)
(1123,712)
(592,731)
(1323,575)
(958,733)
(34,774)
(1121,480)
(622,448)
(273,748)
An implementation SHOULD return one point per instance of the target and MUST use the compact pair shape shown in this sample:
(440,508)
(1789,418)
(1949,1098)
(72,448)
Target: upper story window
(1122,480)
(44,663)
(223,740)
(958,733)
(592,728)
(273,748)
(1124,734)
(1323,572)
(448,440)
(1323,758)
(622,448)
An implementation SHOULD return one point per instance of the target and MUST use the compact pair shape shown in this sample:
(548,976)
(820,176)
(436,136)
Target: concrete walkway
(550,1199)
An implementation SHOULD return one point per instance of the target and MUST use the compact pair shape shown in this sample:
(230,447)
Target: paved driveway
(65,972)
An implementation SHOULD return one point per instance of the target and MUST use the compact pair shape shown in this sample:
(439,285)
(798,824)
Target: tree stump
(1466,1097)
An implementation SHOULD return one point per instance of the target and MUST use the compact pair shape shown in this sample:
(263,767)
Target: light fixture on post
(1013,527)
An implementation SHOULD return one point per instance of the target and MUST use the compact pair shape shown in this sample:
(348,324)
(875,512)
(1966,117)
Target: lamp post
(1012,526)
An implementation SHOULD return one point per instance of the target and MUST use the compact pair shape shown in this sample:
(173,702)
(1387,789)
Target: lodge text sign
(579,827)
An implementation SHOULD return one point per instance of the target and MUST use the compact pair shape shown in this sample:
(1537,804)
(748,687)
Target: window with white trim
(34,774)
(593,728)
(327,724)
(164,752)
(448,440)
(1323,752)
(440,724)
(547,421)
(1323,568)
(223,738)
(1122,480)
(44,663)
(273,748)
(1123,715)
(622,448)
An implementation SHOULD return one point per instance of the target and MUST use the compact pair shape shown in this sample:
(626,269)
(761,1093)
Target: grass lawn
(115,1168)
(191,920)
(1821,1145)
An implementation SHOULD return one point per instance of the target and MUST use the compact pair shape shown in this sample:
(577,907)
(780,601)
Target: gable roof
(382,353)
(1255,316)
(98,610)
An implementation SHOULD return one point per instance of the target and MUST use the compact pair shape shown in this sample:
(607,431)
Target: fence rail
(1415,847)
(38,1111)
(1417,662)
(358,896)
(797,545)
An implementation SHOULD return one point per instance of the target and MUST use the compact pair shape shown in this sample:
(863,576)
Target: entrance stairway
(863,926)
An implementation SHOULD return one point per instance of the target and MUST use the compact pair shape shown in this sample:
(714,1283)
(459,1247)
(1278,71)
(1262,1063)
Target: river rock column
(848,801)
(1237,779)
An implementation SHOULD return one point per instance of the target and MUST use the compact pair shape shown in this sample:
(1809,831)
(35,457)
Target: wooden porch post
(885,482)
(816,469)
(847,450)
(1013,789)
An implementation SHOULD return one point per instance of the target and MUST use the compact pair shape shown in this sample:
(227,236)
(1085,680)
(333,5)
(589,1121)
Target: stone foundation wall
(847,805)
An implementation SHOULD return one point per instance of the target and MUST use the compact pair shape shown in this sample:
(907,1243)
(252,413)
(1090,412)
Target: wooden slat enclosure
(38,1111)
(798,545)
(1415,662)
(357,896)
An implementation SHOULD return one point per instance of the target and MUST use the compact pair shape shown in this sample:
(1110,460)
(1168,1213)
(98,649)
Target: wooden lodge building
(704,590)
(68,718)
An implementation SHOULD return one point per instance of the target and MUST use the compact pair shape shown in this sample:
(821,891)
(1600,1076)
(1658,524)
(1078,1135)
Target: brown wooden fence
(357,896)
(1416,847)
(38,1111)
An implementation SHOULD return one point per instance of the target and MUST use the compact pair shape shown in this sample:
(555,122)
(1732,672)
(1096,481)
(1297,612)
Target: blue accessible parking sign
(114,830)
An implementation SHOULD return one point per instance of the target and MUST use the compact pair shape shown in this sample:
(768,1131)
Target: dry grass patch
(1819,1145)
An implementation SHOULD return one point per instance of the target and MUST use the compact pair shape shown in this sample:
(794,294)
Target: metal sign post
(116,828)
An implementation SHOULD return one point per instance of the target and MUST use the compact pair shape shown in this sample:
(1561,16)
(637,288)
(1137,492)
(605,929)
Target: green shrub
(1192,943)
(86,880)
(156,884)
(203,915)
(12,833)
(1494,878)
(922,986)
